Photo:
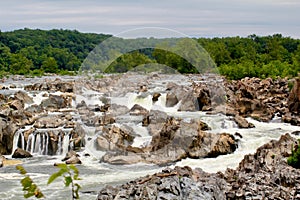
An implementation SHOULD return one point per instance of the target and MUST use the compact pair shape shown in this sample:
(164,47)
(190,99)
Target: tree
(50,65)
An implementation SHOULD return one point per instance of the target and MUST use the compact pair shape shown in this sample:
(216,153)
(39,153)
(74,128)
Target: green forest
(36,52)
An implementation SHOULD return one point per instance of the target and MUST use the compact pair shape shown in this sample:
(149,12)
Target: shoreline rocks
(262,175)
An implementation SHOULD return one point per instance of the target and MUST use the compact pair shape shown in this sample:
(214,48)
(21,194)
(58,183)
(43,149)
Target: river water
(96,175)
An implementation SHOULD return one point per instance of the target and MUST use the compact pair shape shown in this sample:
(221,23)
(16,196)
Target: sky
(195,18)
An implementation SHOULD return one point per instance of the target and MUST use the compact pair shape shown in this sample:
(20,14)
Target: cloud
(192,17)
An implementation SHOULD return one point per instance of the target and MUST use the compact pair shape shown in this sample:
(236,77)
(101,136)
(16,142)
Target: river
(96,175)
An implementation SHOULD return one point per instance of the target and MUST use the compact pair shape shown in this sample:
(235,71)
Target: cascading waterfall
(39,142)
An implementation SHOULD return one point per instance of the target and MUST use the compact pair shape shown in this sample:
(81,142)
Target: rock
(20,153)
(16,105)
(138,110)
(53,121)
(155,97)
(264,174)
(242,122)
(178,183)
(55,102)
(73,160)
(69,155)
(23,97)
(114,138)
(189,102)
(171,99)
(175,140)
(2,158)
(7,131)
(9,162)
(294,97)
(117,110)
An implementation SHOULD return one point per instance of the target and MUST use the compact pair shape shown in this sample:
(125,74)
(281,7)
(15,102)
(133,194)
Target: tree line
(35,52)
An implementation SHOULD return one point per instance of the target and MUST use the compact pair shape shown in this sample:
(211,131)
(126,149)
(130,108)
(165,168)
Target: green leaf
(26,183)
(68,180)
(57,174)
(21,169)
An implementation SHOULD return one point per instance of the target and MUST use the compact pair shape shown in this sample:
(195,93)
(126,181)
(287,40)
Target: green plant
(294,160)
(70,174)
(29,187)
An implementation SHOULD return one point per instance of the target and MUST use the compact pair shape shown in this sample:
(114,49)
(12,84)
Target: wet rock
(155,97)
(117,110)
(24,97)
(7,131)
(21,153)
(16,105)
(69,154)
(53,121)
(138,110)
(35,109)
(178,183)
(171,99)
(56,85)
(2,158)
(114,138)
(294,97)
(175,140)
(73,160)
(55,102)
(242,122)
(189,102)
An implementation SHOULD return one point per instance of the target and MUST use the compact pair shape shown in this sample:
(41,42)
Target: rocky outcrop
(242,122)
(263,175)
(138,110)
(178,183)
(257,98)
(55,102)
(21,153)
(175,140)
(49,85)
(114,139)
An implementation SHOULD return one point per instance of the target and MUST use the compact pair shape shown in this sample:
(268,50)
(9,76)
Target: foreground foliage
(29,187)
(294,159)
(69,173)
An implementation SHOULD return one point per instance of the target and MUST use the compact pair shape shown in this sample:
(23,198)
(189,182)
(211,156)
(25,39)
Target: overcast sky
(196,18)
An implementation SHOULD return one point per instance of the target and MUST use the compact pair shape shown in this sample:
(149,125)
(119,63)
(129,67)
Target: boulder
(138,110)
(23,97)
(189,102)
(55,102)
(21,153)
(242,122)
(171,99)
(114,138)
(16,105)
(294,97)
(73,160)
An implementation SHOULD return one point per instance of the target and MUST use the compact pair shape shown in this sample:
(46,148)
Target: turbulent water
(96,175)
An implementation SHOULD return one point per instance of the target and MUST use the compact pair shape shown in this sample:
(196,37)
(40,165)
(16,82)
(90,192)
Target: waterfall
(39,142)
